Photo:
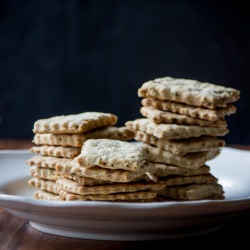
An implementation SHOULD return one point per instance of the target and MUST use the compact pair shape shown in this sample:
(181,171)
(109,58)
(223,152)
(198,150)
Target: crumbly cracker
(89,182)
(44,195)
(133,196)
(74,187)
(76,140)
(47,185)
(44,173)
(185,109)
(48,161)
(56,151)
(182,146)
(194,192)
(74,123)
(160,116)
(113,154)
(174,131)
(191,161)
(192,92)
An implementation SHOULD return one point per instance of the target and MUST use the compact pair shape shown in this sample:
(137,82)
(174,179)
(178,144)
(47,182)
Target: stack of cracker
(109,170)
(59,139)
(182,127)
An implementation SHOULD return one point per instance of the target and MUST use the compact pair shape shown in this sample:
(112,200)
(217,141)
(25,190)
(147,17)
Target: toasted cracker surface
(191,160)
(193,111)
(174,131)
(56,151)
(113,154)
(159,116)
(74,123)
(182,146)
(76,140)
(189,91)
(75,187)
(142,196)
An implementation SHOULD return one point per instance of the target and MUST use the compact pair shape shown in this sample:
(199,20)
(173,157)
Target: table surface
(16,233)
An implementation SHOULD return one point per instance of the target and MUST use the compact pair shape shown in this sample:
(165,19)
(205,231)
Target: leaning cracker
(75,123)
(74,187)
(182,146)
(113,154)
(185,109)
(48,161)
(191,161)
(133,196)
(56,151)
(159,116)
(76,140)
(188,91)
(174,131)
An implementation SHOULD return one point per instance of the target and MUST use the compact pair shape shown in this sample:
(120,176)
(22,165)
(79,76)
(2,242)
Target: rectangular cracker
(74,187)
(47,185)
(76,140)
(160,116)
(112,154)
(194,192)
(48,161)
(193,111)
(44,173)
(163,170)
(99,173)
(74,123)
(192,179)
(56,151)
(142,196)
(182,146)
(191,161)
(174,131)
(45,195)
(192,92)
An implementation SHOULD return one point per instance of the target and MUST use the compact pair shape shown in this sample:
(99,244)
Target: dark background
(66,57)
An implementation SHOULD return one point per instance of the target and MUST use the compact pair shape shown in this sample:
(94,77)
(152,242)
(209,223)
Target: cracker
(48,161)
(43,184)
(96,172)
(185,109)
(74,123)
(142,196)
(74,187)
(76,140)
(194,192)
(193,179)
(192,92)
(174,131)
(163,170)
(113,154)
(56,151)
(182,146)
(44,173)
(159,116)
(44,195)
(191,161)
(89,182)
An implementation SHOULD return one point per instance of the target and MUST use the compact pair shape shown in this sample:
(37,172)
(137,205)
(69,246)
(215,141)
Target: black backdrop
(65,57)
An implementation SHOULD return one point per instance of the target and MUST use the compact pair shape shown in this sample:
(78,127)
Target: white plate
(127,221)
